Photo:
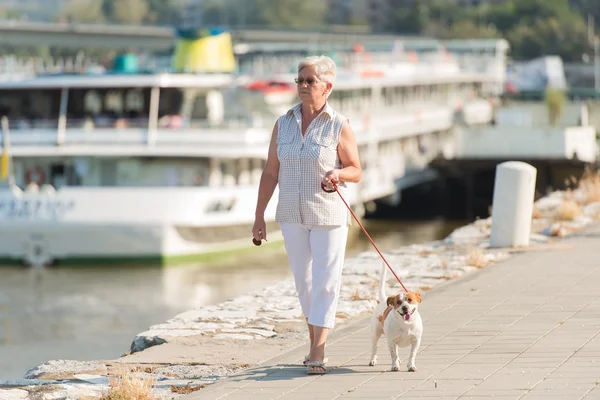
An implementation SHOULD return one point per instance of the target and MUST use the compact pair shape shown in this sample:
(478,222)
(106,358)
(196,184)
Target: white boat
(165,167)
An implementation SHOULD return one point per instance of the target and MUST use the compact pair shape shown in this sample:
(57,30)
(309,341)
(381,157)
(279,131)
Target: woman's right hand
(259,230)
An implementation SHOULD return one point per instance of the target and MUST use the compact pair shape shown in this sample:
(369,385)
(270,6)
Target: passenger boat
(164,167)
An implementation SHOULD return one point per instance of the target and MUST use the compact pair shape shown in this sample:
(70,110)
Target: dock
(525,328)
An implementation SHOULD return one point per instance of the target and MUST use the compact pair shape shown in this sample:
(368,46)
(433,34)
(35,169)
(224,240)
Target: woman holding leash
(312,144)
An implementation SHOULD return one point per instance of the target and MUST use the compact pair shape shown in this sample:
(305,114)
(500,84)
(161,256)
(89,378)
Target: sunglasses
(309,81)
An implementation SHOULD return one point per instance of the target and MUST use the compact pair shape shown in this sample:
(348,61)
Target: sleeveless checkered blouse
(303,163)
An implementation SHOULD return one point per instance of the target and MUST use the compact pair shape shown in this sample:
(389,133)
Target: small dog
(398,317)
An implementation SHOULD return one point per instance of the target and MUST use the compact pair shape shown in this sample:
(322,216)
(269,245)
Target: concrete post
(512,208)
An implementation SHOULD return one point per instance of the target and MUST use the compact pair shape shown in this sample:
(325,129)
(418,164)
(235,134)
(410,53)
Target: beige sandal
(316,368)
(307,359)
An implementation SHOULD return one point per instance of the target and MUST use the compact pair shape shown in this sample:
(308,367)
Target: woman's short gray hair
(324,67)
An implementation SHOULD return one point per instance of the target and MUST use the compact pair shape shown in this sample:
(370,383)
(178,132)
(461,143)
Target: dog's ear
(418,297)
(390,300)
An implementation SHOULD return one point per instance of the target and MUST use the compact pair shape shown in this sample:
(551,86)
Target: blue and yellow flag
(205,50)
(4,158)
(4,165)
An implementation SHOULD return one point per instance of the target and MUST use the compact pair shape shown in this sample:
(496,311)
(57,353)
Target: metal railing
(103,123)
(14,68)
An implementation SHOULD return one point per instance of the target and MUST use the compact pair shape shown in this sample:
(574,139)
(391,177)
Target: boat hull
(100,244)
(152,225)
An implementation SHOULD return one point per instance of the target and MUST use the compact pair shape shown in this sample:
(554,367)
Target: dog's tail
(382,279)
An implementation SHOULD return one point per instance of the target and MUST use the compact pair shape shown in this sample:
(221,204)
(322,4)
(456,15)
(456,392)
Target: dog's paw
(412,368)
(395,367)
(373,362)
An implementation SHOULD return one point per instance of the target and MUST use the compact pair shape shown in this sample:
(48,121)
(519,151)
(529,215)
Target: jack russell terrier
(398,318)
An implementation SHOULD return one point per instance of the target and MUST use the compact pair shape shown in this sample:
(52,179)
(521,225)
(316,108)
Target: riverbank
(198,347)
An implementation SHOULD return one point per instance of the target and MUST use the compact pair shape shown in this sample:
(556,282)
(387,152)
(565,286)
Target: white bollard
(512,207)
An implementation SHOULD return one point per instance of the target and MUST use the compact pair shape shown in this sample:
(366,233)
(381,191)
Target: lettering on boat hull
(35,209)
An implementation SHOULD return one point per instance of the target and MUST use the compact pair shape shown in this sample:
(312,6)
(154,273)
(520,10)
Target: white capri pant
(316,258)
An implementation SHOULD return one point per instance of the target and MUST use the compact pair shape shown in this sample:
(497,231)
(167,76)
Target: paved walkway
(527,328)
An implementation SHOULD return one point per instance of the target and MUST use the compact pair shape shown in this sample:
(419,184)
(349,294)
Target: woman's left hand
(330,178)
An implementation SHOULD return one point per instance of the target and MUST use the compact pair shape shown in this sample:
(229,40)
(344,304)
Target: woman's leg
(328,244)
(297,245)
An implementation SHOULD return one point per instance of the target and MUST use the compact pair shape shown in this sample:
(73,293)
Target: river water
(94,313)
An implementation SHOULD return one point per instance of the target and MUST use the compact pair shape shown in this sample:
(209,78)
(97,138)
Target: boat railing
(182,138)
(118,124)
(13,67)
(234,133)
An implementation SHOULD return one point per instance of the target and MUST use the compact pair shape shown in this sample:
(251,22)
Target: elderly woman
(312,144)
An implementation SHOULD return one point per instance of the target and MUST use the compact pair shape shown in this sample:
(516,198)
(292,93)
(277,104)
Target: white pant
(316,258)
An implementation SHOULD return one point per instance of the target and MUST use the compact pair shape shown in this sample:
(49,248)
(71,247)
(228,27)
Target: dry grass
(444,266)
(568,211)
(124,386)
(444,263)
(476,258)
(537,214)
(356,296)
(186,389)
(558,230)
(589,185)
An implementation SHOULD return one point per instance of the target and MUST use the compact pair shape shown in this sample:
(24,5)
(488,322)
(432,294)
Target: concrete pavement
(526,328)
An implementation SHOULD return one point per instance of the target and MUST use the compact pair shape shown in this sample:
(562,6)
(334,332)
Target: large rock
(147,339)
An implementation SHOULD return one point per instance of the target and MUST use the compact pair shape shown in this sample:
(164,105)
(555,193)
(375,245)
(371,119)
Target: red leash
(335,189)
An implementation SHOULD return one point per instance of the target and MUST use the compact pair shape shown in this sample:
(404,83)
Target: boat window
(157,172)
(27,109)
(108,108)
(46,171)
(229,172)
(170,109)
(257,167)
(170,101)
(199,109)
(134,100)
(113,101)
(92,102)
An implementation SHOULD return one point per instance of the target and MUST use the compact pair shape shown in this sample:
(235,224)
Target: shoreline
(200,346)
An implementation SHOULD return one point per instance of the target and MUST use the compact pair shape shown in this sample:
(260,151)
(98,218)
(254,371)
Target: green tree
(9,14)
(555,100)
(165,12)
(409,20)
(291,13)
(468,30)
(525,42)
(82,11)
(564,37)
(509,15)
(588,8)
(131,12)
